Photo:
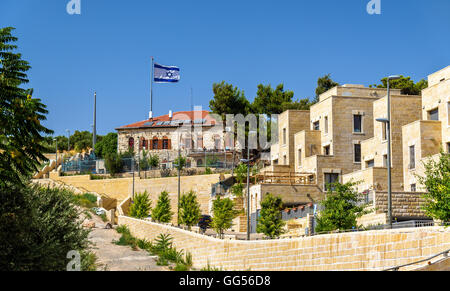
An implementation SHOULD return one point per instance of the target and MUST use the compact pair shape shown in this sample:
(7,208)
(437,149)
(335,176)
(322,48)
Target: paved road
(113,257)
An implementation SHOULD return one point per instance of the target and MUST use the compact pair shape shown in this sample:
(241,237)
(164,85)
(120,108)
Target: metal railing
(286,178)
(444,254)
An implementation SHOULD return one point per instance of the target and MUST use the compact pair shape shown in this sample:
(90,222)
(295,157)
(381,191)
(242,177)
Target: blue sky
(108,48)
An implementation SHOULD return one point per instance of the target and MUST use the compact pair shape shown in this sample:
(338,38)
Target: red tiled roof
(163,120)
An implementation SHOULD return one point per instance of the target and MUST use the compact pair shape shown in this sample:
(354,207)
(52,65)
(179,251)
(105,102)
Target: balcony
(289,178)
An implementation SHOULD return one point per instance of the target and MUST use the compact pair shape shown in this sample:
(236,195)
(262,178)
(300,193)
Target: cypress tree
(270,222)
(189,209)
(162,211)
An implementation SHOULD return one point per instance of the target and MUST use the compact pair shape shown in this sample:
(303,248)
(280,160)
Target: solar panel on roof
(159,123)
(148,123)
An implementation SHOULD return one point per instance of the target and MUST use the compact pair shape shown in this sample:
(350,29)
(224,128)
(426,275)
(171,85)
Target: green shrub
(38,227)
(189,209)
(126,239)
(141,206)
(270,222)
(208,171)
(223,214)
(162,211)
(113,163)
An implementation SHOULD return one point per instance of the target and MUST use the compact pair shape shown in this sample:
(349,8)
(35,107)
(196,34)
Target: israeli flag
(166,74)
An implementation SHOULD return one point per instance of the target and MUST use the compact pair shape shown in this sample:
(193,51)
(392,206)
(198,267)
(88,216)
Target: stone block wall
(359,251)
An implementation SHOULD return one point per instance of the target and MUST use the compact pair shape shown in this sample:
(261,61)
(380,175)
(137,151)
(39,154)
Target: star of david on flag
(166,74)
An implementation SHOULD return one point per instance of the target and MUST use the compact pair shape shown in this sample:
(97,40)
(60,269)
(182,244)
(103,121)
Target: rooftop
(180,118)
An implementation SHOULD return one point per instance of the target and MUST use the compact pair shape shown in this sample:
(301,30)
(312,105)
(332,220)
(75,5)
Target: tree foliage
(113,163)
(180,163)
(228,100)
(38,227)
(162,211)
(106,145)
(189,209)
(21,132)
(223,215)
(270,222)
(437,185)
(324,84)
(406,85)
(341,207)
(141,206)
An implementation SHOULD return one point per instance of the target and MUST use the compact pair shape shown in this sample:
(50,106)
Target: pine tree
(162,211)
(141,206)
(223,210)
(21,142)
(189,209)
(270,222)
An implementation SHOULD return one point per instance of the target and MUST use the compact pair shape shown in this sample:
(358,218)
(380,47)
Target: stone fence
(369,250)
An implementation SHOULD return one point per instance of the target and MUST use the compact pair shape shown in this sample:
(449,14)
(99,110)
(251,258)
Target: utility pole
(94,131)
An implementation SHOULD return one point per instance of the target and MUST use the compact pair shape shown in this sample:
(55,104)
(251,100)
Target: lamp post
(178,165)
(387,122)
(56,157)
(68,140)
(247,161)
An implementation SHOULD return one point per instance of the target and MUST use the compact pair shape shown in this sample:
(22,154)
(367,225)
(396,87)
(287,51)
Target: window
(316,125)
(300,157)
(284,160)
(326,124)
(165,144)
(370,164)
(448,113)
(357,153)
(357,123)
(385,161)
(384,131)
(412,157)
(131,143)
(284,135)
(448,147)
(326,150)
(413,187)
(433,114)
(330,178)
(155,144)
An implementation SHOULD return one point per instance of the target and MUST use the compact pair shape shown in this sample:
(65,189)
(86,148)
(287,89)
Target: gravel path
(112,257)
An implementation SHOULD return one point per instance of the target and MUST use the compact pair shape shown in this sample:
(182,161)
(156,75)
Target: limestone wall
(371,250)
(121,189)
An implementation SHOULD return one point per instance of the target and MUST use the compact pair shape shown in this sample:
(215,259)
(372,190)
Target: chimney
(170,114)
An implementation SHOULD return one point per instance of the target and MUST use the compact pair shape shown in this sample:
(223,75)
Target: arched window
(131,143)
(155,143)
(166,143)
(143,143)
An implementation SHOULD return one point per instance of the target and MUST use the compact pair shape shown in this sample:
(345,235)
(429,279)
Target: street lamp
(56,157)
(178,165)
(387,122)
(247,161)
(68,140)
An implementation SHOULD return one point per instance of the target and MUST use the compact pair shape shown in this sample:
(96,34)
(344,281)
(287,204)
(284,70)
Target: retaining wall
(370,250)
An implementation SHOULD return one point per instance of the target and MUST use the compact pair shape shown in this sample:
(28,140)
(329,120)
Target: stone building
(343,142)
(195,133)
(424,138)
(372,174)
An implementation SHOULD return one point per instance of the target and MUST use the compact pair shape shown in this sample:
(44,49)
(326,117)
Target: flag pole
(151,90)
